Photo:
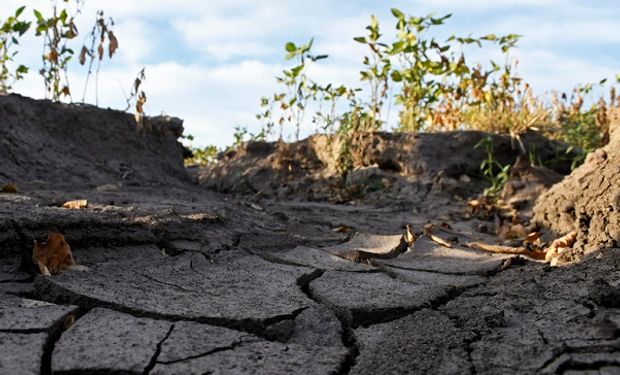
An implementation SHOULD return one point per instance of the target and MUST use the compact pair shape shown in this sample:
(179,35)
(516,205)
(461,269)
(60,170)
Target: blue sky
(209,62)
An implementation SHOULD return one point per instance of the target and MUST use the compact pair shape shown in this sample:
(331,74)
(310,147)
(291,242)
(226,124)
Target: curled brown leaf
(113,44)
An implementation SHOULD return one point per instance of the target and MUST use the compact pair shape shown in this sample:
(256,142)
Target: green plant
(298,88)
(57,30)
(200,156)
(12,29)
(492,170)
(377,74)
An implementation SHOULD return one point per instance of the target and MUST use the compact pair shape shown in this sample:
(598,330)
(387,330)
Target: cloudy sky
(210,61)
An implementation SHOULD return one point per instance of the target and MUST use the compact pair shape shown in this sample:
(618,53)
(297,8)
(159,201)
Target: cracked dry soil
(187,281)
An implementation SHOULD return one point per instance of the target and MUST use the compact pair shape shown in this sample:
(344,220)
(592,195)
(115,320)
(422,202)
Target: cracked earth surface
(182,280)
(193,283)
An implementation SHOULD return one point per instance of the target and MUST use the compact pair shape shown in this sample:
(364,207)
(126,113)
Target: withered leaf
(256,207)
(532,237)
(76,204)
(558,245)
(140,106)
(439,240)
(113,45)
(410,236)
(342,229)
(100,51)
(83,53)
(52,256)
(536,254)
(52,56)
(10,188)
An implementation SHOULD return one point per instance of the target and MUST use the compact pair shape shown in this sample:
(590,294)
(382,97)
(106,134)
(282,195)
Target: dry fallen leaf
(69,321)
(440,241)
(532,237)
(77,204)
(560,245)
(536,254)
(53,255)
(10,188)
(256,207)
(342,229)
(410,236)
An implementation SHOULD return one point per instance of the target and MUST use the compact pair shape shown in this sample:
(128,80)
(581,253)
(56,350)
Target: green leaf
(39,16)
(374,22)
(296,70)
(290,47)
(397,13)
(360,39)
(396,76)
(19,11)
(63,16)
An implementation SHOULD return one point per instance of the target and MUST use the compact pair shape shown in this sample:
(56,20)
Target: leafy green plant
(200,156)
(376,74)
(492,170)
(10,32)
(298,90)
(57,30)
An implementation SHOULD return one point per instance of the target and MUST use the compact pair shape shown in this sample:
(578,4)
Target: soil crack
(153,362)
(234,345)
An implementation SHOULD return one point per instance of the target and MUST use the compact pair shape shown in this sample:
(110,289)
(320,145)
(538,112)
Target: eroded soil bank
(185,280)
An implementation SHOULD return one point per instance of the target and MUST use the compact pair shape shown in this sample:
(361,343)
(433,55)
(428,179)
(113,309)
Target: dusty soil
(184,280)
(589,199)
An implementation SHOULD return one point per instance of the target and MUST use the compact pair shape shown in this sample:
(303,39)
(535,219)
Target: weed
(57,30)
(137,96)
(492,170)
(200,156)
(10,32)
(298,90)
(97,36)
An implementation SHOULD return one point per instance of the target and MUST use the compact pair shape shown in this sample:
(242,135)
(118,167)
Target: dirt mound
(398,165)
(589,199)
(83,146)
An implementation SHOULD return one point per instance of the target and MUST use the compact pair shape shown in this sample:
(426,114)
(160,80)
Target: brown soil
(589,199)
(386,166)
